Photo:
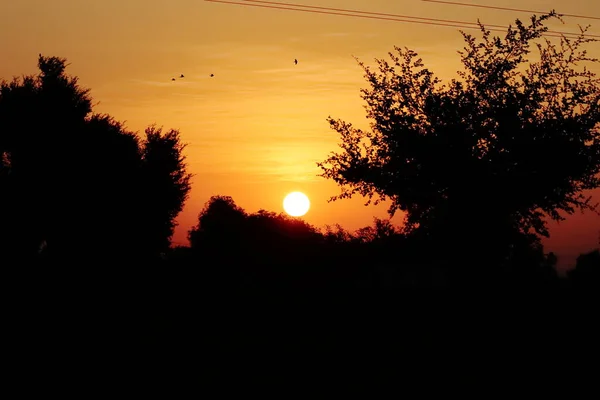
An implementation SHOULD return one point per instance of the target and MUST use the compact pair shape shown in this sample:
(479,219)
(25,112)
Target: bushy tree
(337,234)
(221,220)
(277,227)
(381,229)
(80,183)
(497,150)
(167,183)
(40,118)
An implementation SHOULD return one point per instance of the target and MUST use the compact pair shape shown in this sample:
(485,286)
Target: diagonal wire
(346,14)
(364,12)
(456,3)
(350,14)
(398,16)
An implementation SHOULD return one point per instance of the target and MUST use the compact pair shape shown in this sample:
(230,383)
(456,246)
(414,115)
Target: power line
(351,13)
(246,3)
(364,12)
(333,13)
(346,10)
(455,3)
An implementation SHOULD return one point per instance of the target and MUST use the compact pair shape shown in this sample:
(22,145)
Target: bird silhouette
(295,61)
(211,75)
(181,76)
(172,79)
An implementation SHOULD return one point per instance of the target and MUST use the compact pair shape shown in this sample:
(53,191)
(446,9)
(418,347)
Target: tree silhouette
(80,183)
(586,273)
(283,248)
(217,239)
(39,120)
(263,247)
(494,152)
(337,234)
(107,197)
(382,229)
(273,226)
(220,221)
(167,184)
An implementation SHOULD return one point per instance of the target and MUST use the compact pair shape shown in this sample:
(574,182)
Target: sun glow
(296,204)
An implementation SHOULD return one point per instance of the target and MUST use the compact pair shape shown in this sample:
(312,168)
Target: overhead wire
(246,3)
(379,16)
(456,3)
(365,12)
(398,15)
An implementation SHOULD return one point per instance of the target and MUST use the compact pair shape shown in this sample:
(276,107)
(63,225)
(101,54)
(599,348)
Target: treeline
(80,190)
(233,246)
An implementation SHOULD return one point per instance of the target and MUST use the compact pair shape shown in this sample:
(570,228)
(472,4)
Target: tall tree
(493,152)
(167,184)
(40,117)
(80,183)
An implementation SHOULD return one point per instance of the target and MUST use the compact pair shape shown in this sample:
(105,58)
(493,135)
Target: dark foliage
(231,247)
(482,160)
(77,184)
(78,188)
(586,273)
(167,185)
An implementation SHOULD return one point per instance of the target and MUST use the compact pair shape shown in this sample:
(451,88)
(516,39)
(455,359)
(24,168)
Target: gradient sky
(255,130)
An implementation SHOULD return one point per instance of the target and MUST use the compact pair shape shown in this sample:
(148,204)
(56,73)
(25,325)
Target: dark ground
(165,328)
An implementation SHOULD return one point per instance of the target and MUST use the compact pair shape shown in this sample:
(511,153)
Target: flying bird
(172,79)
(211,75)
(295,61)
(181,76)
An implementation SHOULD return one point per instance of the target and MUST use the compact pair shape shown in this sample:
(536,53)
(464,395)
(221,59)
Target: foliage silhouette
(481,153)
(167,184)
(78,186)
(78,182)
(586,273)
(220,219)
(233,246)
(88,192)
(280,242)
(260,247)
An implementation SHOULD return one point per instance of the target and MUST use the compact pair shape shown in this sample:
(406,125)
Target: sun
(296,204)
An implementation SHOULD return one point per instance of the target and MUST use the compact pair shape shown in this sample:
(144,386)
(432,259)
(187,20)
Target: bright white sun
(296,204)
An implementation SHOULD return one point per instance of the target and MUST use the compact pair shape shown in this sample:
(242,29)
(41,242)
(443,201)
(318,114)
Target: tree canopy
(510,141)
(79,182)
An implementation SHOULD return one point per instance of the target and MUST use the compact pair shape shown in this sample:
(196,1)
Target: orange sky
(255,130)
